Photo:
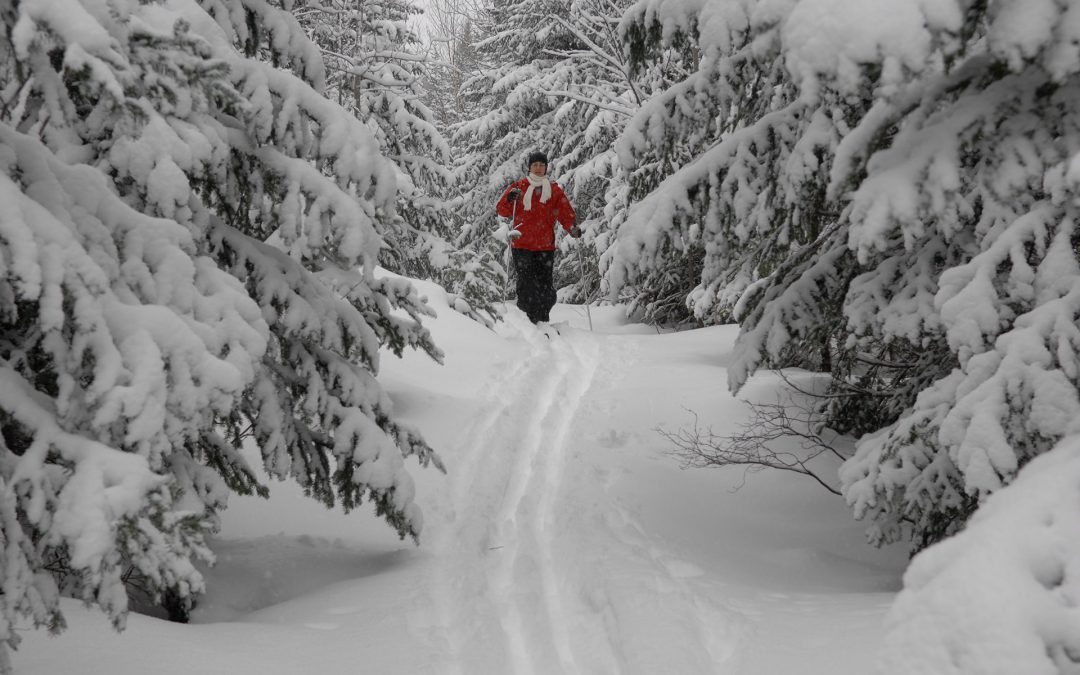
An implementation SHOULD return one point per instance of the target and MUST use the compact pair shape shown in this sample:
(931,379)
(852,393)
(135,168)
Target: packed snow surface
(564,538)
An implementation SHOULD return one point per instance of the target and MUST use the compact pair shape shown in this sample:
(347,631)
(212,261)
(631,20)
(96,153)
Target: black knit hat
(536,156)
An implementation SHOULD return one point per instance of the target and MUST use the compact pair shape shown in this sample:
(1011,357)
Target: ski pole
(581,272)
(509,254)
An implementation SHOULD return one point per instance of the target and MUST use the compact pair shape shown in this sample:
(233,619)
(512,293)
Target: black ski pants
(535,289)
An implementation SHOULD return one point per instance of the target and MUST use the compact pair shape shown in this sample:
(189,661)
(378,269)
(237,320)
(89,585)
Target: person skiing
(536,204)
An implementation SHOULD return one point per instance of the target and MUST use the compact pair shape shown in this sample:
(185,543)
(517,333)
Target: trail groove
(507,614)
(540,573)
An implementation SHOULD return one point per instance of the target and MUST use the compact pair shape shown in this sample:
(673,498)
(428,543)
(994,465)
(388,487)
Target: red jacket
(537,225)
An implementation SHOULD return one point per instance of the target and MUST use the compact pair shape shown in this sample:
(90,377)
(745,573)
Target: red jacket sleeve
(505,208)
(564,212)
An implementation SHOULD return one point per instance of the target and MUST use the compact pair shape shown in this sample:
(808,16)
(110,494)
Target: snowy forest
(215,216)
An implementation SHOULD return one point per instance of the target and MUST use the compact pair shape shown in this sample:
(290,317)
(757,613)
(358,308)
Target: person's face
(538,168)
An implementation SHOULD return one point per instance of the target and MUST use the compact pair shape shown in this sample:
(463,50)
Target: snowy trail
(548,595)
(523,577)
(507,613)
(563,540)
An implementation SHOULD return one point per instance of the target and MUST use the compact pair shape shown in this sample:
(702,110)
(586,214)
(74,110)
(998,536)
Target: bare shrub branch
(752,446)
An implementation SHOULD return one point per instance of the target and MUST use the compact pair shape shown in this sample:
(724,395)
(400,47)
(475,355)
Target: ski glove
(512,196)
(575,231)
(507,235)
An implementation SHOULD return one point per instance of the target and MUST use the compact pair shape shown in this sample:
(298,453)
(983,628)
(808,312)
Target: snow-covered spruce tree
(977,190)
(513,118)
(99,389)
(565,89)
(476,273)
(927,249)
(147,328)
(595,106)
(675,120)
(375,67)
(450,39)
(745,212)
(729,165)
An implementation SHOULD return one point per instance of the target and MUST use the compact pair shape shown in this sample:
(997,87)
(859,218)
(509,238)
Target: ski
(548,328)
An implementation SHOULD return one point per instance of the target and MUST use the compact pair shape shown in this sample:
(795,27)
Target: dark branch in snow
(757,445)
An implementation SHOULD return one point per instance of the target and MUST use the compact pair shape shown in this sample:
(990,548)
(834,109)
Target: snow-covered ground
(562,540)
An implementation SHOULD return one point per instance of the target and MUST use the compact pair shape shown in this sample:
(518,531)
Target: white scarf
(545,191)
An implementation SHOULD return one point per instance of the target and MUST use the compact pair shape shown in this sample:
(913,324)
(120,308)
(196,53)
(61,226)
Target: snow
(837,37)
(999,597)
(563,539)
(69,20)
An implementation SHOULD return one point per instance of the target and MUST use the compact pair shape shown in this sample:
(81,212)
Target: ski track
(502,503)
(517,591)
(522,577)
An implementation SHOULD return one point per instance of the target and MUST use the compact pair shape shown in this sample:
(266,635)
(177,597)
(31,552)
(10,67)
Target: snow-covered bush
(188,248)
(1000,597)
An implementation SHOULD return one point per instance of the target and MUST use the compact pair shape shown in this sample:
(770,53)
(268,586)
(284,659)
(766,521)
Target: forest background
(199,195)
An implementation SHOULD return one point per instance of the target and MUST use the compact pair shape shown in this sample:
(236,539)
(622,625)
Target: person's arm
(566,215)
(505,207)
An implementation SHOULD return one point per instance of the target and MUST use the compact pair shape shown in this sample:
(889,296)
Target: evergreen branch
(16,94)
(368,57)
(626,112)
(850,389)
(364,75)
(593,47)
(617,72)
(874,361)
(617,65)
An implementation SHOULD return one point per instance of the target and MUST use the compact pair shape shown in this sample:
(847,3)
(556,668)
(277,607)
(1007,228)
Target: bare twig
(752,446)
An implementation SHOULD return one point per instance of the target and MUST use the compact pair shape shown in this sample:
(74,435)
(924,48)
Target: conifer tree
(965,226)
(188,262)
(513,119)
(888,200)
(566,89)
(451,38)
(375,68)
(675,120)
(596,104)
(374,65)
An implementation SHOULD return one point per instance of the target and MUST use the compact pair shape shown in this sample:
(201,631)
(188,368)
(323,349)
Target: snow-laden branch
(609,105)
(616,64)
